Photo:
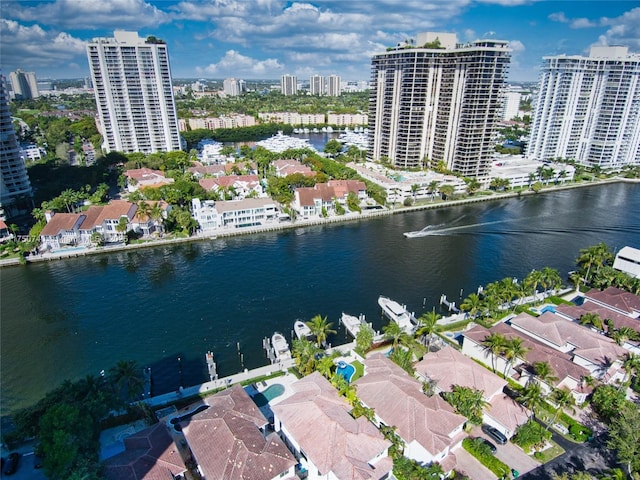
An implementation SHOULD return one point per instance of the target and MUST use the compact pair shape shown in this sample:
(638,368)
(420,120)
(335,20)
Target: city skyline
(270,38)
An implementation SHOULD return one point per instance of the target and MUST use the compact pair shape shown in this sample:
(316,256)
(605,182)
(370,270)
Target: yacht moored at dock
(398,313)
(301,329)
(280,347)
(351,323)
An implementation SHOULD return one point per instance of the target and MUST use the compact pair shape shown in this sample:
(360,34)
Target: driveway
(467,465)
(510,454)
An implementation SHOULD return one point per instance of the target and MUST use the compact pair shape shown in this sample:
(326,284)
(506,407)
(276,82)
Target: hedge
(577,430)
(486,458)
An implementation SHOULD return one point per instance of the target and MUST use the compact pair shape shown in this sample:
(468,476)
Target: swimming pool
(345,370)
(545,309)
(271,392)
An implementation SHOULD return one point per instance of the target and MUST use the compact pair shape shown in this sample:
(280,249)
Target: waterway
(165,307)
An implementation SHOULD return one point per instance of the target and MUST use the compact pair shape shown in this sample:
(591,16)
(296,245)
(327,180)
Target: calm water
(70,318)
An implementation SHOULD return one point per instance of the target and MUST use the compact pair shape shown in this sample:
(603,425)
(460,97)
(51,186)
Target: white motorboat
(398,313)
(351,323)
(280,347)
(301,329)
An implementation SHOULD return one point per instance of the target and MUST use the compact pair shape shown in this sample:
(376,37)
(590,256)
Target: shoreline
(277,227)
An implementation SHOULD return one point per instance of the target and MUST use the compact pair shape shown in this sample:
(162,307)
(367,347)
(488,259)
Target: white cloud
(582,23)
(624,30)
(33,47)
(90,14)
(558,17)
(235,64)
(516,46)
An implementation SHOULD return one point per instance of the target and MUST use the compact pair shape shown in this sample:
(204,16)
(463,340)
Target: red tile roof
(616,298)
(227,443)
(61,222)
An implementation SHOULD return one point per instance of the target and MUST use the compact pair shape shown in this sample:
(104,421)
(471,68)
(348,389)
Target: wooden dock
(211,366)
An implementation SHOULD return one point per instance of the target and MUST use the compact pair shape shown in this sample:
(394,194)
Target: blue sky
(263,39)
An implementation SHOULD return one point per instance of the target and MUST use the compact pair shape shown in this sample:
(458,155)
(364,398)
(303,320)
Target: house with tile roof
(330,444)
(239,186)
(428,426)
(5,233)
(62,230)
(286,167)
(615,299)
(310,201)
(138,178)
(150,454)
(229,439)
(149,220)
(448,367)
(569,374)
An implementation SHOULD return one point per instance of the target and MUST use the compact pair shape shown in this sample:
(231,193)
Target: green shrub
(481,451)
(579,432)
(530,435)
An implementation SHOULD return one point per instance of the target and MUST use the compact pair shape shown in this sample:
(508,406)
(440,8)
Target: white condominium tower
(316,85)
(134,93)
(289,84)
(15,188)
(588,109)
(233,86)
(24,84)
(438,100)
(333,85)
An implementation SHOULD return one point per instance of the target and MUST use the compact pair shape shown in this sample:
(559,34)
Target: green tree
(513,349)
(333,147)
(403,357)
(563,400)
(467,401)
(427,326)
(364,338)
(446,191)
(392,331)
(353,202)
(127,379)
(320,328)
(494,344)
(305,352)
(607,401)
(544,373)
(531,397)
(471,304)
(624,437)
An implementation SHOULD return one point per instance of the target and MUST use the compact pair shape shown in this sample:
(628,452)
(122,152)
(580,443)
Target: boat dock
(211,366)
(398,313)
(450,305)
(147,382)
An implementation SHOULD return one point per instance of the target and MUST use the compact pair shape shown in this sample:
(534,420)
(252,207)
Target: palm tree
(471,304)
(531,397)
(591,318)
(544,373)
(622,334)
(320,328)
(531,282)
(595,256)
(325,366)
(550,279)
(393,331)
(631,364)
(404,359)
(494,344)
(563,399)
(427,326)
(513,349)
(305,353)
(127,378)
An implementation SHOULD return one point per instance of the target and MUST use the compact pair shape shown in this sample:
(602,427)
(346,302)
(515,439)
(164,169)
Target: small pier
(211,366)
(271,354)
(147,382)
(451,306)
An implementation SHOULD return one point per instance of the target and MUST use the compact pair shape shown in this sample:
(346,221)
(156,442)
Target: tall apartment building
(439,101)
(24,84)
(588,108)
(511,105)
(15,188)
(134,93)
(233,86)
(289,84)
(333,85)
(316,85)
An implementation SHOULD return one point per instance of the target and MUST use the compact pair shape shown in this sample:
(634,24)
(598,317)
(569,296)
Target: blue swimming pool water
(346,371)
(271,392)
(548,308)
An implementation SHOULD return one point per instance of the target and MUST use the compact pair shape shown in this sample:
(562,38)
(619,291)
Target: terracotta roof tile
(62,222)
(617,298)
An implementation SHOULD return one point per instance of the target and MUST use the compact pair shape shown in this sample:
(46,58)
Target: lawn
(359,370)
(548,454)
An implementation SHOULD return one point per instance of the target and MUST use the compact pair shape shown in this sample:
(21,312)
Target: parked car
(494,433)
(12,464)
(491,446)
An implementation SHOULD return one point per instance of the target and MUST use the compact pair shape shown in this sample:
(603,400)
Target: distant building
(511,105)
(316,85)
(24,85)
(213,123)
(588,110)
(15,188)
(134,93)
(289,84)
(233,87)
(438,101)
(293,118)
(333,86)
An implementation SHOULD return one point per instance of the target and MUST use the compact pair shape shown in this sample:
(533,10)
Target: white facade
(588,109)
(15,188)
(134,93)
(24,84)
(316,85)
(293,118)
(205,213)
(249,212)
(289,84)
(628,261)
(333,86)
(511,105)
(441,104)
(232,86)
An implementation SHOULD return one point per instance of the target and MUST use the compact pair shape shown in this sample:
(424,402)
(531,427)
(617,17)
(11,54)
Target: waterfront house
(448,367)
(229,438)
(239,186)
(628,261)
(202,171)
(149,217)
(569,374)
(5,233)
(149,454)
(330,443)
(284,168)
(145,177)
(61,230)
(204,212)
(249,212)
(342,188)
(428,426)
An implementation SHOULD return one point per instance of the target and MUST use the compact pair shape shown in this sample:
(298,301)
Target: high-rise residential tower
(316,85)
(437,101)
(333,85)
(15,188)
(588,109)
(24,84)
(233,86)
(134,93)
(289,84)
